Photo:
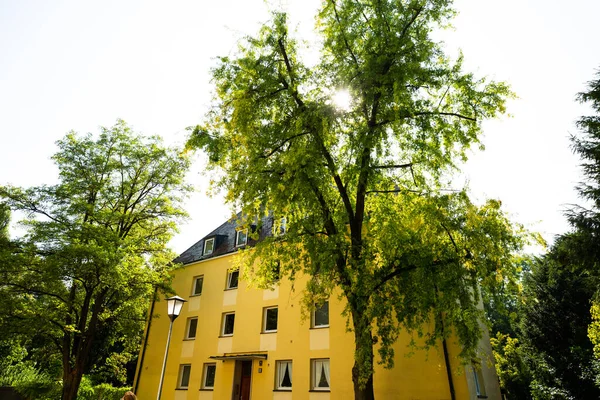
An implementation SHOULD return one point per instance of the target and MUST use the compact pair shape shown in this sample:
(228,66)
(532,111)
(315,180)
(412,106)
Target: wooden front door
(242,381)
(246,380)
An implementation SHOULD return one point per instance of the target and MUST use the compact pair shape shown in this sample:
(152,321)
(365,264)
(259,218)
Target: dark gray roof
(224,240)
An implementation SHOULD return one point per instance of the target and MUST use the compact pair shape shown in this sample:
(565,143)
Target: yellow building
(232,342)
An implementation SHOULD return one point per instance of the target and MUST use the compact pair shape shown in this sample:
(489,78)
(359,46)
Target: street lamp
(174,305)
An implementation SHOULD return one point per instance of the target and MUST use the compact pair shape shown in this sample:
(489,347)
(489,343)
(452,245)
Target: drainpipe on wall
(138,372)
(440,319)
(448,367)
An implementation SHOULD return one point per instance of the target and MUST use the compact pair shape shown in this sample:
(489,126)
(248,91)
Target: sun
(342,99)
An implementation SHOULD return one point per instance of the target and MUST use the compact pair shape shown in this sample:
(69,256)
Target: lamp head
(174,305)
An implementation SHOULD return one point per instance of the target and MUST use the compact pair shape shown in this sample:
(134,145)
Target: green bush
(30,382)
(103,391)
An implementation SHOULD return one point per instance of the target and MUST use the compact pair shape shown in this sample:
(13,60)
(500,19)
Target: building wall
(421,376)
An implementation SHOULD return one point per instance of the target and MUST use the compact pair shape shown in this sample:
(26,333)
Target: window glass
(270,319)
(279,227)
(320,374)
(208,380)
(242,238)
(283,375)
(228,322)
(232,279)
(192,326)
(479,383)
(321,315)
(184,376)
(283,225)
(209,245)
(197,289)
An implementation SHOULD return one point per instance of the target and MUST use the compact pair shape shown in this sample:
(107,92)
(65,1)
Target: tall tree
(555,316)
(362,188)
(557,329)
(95,242)
(586,219)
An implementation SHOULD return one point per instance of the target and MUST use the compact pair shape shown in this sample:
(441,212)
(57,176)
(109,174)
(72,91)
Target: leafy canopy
(363,189)
(95,246)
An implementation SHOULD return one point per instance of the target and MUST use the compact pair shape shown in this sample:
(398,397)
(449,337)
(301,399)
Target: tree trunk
(71,383)
(365,393)
(72,375)
(363,356)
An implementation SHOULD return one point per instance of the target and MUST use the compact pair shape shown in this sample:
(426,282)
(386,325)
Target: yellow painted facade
(420,376)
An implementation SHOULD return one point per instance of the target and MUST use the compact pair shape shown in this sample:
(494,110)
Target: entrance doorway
(242,380)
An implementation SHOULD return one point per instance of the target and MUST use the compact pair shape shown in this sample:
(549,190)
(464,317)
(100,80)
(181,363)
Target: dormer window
(282,226)
(241,238)
(279,227)
(209,246)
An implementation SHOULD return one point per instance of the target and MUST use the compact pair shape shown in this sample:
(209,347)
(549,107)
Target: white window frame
(314,371)
(279,368)
(188,325)
(195,285)
(182,368)
(229,275)
(223,320)
(205,251)
(205,375)
(264,325)
(237,237)
(313,317)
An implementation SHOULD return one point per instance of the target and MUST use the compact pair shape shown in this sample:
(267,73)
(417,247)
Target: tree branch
(398,271)
(421,113)
(276,149)
(418,11)
(407,165)
(395,191)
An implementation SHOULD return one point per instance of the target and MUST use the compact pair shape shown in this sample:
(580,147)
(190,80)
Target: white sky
(78,65)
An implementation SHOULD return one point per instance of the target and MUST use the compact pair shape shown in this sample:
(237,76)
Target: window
(241,238)
(319,374)
(184,376)
(478,378)
(208,376)
(279,229)
(283,225)
(227,324)
(197,286)
(209,245)
(232,279)
(270,319)
(192,326)
(320,316)
(283,375)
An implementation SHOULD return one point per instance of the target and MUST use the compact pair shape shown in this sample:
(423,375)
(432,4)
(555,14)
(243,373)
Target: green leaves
(95,244)
(363,190)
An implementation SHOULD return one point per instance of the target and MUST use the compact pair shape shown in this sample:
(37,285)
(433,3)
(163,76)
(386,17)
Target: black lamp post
(174,305)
